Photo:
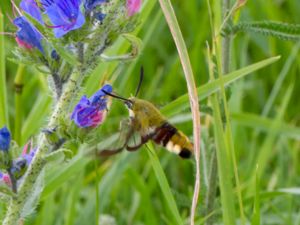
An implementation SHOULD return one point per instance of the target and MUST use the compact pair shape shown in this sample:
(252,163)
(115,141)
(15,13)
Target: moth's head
(130,103)
(133,104)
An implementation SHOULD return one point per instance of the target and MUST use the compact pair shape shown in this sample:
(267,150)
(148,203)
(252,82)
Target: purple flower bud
(90,8)
(4,139)
(55,55)
(4,178)
(28,155)
(133,6)
(90,112)
(89,5)
(18,167)
(32,8)
(27,35)
(65,15)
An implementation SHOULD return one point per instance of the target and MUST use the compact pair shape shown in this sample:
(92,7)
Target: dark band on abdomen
(164,133)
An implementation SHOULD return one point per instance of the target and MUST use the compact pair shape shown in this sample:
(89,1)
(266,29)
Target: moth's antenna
(140,82)
(115,96)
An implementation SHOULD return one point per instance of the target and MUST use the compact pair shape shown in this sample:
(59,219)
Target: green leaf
(6,191)
(164,185)
(265,124)
(36,117)
(207,89)
(136,45)
(33,199)
(256,209)
(58,155)
(283,31)
(65,54)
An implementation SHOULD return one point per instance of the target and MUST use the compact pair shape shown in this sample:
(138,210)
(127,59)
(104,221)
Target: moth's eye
(128,104)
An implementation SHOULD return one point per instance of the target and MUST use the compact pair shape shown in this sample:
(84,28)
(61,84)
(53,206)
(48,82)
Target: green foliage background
(266,132)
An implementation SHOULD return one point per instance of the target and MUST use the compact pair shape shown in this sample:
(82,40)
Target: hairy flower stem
(226,41)
(12,180)
(226,47)
(16,204)
(57,84)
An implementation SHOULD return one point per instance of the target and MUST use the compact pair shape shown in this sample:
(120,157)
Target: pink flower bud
(133,6)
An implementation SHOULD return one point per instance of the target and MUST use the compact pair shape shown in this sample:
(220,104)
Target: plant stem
(97,211)
(226,41)
(3,95)
(192,90)
(12,180)
(226,46)
(57,84)
(18,103)
(212,188)
(16,204)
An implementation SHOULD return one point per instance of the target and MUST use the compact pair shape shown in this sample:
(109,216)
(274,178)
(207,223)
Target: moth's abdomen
(173,140)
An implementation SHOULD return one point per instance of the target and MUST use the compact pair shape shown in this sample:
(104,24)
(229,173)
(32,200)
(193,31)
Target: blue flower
(4,139)
(90,112)
(27,35)
(65,15)
(32,8)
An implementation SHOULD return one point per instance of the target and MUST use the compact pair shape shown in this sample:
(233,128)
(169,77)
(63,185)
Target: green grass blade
(205,90)
(256,209)
(141,186)
(36,117)
(224,170)
(265,124)
(266,149)
(112,177)
(3,95)
(74,196)
(57,177)
(172,22)
(18,103)
(164,185)
(281,77)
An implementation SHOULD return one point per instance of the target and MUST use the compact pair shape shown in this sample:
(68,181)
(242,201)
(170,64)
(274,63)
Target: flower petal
(91,112)
(27,35)
(31,7)
(65,15)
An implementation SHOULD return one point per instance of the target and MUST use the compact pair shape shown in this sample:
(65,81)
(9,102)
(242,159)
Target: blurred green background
(265,120)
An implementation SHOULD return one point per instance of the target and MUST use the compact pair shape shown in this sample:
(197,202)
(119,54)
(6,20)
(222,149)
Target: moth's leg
(126,131)
(134,148)
(144,140)
(110,152)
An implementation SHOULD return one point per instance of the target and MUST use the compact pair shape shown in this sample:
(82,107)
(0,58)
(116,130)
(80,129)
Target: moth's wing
(126,133)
